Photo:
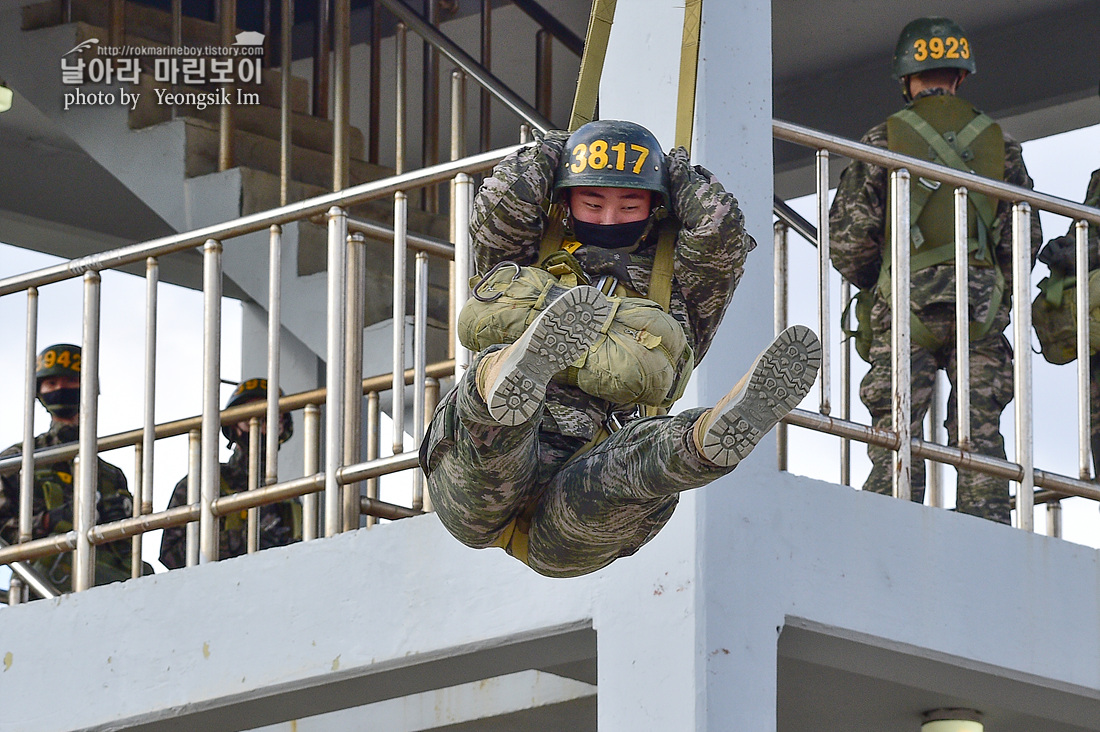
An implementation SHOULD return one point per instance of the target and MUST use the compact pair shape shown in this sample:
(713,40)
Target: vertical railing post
(15,591)
(334,368)
(823,277)
(353,371)
(934,470)
(274,353)
(899,307)
(374,440)
(144,500)
(845,383)
(962,317)
(135,511)
(286,56)
(30,394)
(1021,319)
(342,72)
(486,63)
(253,483)
(458,150)
(194,494)
(210,483)
(311,465)
(321,48)
(375,112)
(431,400)
(1081,230)
(779,318)
(228,22)
(544,77)
(87,485)
(400,249)
(461,291)
(116,29)
(429,88)
(401,97)
(420,362)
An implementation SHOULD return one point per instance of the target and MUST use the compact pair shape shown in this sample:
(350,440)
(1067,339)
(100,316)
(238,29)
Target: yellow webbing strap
(689,67)
(660,279)
(555,232)
(514,538)
(595,50)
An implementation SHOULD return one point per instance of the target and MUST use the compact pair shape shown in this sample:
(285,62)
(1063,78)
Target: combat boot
(513,380)
(775,384)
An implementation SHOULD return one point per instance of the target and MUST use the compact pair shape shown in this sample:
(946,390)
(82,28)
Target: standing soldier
(932,59)
(537,449)
(279,523)
(57,384)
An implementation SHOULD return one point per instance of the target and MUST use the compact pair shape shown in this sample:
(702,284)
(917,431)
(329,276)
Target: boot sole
(559,336)
(781,377)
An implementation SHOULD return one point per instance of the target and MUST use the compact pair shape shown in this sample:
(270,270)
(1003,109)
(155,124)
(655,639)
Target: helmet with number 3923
(932,43)
(613,154)
(251,390)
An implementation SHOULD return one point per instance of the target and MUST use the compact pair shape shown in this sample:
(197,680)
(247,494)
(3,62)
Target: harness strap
(920,193)
(514,538)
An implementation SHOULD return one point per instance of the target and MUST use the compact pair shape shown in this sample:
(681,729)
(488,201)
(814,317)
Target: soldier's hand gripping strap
(643,357)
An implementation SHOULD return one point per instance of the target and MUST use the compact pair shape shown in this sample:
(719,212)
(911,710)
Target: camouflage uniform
(52,510)
(280,523)
(857,222)
(613,499)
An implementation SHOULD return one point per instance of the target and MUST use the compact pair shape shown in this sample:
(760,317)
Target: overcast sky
(1060,165)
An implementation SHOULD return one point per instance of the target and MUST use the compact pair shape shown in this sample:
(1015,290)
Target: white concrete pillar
(707,658)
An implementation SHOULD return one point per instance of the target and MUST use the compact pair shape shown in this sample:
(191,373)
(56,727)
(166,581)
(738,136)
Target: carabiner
(489,274)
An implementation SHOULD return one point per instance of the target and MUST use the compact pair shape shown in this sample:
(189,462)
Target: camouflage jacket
(280,524)
(857,228)
(51,509)
(711,246)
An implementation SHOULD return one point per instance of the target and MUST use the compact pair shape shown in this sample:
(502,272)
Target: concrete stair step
(307,131)
(262,153)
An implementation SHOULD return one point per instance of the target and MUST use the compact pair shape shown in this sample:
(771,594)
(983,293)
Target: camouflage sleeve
(1016,174)
(857,218)
(115,502)
(508,218)
(173,544)
(1092,198)
(710,249)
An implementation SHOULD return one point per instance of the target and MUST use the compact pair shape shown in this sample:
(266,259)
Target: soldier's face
(606,206)
(53,383)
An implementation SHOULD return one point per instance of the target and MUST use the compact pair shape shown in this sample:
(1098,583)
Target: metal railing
(901,168)
(341,466)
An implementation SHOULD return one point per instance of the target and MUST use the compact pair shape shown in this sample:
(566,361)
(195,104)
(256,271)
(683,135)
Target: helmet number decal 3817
(595,156)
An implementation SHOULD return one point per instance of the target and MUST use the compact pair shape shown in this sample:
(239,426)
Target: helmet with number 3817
(932,43)
(613,154)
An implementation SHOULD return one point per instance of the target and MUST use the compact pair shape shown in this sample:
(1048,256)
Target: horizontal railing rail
(305,209)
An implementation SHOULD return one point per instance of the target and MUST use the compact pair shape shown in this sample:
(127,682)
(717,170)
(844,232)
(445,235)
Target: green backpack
(1054,316)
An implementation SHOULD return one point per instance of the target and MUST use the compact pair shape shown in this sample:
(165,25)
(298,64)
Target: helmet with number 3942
(932,43)
(251,390)
(613,154)
(61,359)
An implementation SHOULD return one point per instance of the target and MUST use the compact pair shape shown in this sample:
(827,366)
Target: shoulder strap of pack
(660,279)
(947,155)
(555,232)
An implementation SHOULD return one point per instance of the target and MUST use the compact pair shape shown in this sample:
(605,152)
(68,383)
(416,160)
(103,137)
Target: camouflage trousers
(990,392)
(587,511)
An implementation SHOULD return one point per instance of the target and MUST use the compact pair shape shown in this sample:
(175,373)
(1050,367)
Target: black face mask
(609,236)
(62,403)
